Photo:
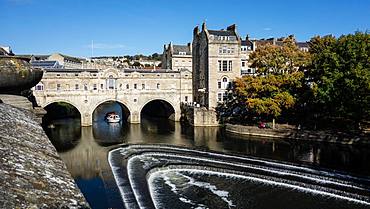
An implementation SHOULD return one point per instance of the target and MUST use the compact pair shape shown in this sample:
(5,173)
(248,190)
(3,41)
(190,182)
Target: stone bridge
(133,89)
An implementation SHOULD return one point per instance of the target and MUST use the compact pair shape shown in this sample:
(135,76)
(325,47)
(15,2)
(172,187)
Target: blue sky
(121,27)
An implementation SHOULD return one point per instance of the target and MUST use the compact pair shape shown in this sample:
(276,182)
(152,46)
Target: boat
(112,117)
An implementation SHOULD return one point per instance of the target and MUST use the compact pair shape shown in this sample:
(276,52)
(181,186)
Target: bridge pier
(86,119)
(134,118)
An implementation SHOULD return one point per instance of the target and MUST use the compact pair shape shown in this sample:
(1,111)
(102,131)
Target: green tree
(340,77)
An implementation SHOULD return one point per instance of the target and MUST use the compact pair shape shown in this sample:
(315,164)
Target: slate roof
(302,44)
(181,48)
(45,64)
(222,32)
(247,43)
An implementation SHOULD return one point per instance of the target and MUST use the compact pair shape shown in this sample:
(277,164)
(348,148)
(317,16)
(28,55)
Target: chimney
(232,28)
(204,26)
(196,31)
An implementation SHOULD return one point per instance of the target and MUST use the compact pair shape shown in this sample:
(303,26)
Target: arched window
(224,83)
(39,87)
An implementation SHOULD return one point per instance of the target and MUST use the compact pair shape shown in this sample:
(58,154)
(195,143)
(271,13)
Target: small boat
(112,117)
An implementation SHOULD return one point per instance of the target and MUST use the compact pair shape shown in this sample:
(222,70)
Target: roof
(45,64)
(302,44)
(73,59)
(181,48)
(73,70)
(3,52)
(247,43)
(149,71)
(222,32)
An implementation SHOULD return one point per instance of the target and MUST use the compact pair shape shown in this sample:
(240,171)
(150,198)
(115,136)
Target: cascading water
(163,176)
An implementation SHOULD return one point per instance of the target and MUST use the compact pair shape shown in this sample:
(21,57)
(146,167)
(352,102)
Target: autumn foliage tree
(274,91)
(278,59)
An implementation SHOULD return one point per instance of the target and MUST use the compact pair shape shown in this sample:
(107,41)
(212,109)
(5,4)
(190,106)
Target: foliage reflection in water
(85,151)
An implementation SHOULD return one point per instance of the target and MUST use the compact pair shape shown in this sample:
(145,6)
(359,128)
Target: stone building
(66,61)
(247,47)
(177,57)
(216,62)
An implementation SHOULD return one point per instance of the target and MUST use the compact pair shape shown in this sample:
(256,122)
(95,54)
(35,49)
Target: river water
(85,152)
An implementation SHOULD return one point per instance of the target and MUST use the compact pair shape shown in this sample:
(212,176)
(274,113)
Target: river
(85,151)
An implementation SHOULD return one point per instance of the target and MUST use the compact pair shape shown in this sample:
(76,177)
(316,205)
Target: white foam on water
(256,179)
(120,181)
(167,180)
(325,181)
(220,193)
(128,150)
(243,158)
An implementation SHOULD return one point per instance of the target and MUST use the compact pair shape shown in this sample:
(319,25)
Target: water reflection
(84,150)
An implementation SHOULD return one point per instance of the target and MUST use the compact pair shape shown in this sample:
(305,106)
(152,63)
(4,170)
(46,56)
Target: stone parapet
(32,175)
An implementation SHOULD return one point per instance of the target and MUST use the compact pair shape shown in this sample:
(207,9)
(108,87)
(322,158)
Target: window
(58,87)
(95,86)
(219,97)
(224,65)
(58,75)
(158,85)
(186,98)
(219,84)
(230,65)
(39,87)
(111,82)
(243,64)
(143,86)
(224,96)
(127,86)
(135,86)
(219,65)
(101,86)
(77,87)
(225,83)
(85,87)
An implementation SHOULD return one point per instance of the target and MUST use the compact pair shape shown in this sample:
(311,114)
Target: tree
(277,59)
(340,77)
(262,97)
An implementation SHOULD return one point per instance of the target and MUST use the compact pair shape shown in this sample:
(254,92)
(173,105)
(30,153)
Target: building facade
(86,89)
(216,62)
(177,57)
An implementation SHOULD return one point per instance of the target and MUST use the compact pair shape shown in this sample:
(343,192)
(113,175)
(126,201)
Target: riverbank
(290,133)
(32,175)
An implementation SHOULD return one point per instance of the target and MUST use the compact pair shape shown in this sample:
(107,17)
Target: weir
(162,176)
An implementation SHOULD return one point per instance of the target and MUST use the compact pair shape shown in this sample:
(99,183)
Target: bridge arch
(54,115)
(125,112)
(159,107)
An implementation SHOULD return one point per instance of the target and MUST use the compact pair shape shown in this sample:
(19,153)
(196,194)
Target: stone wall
(199,116)
(32,175)
(290,133)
